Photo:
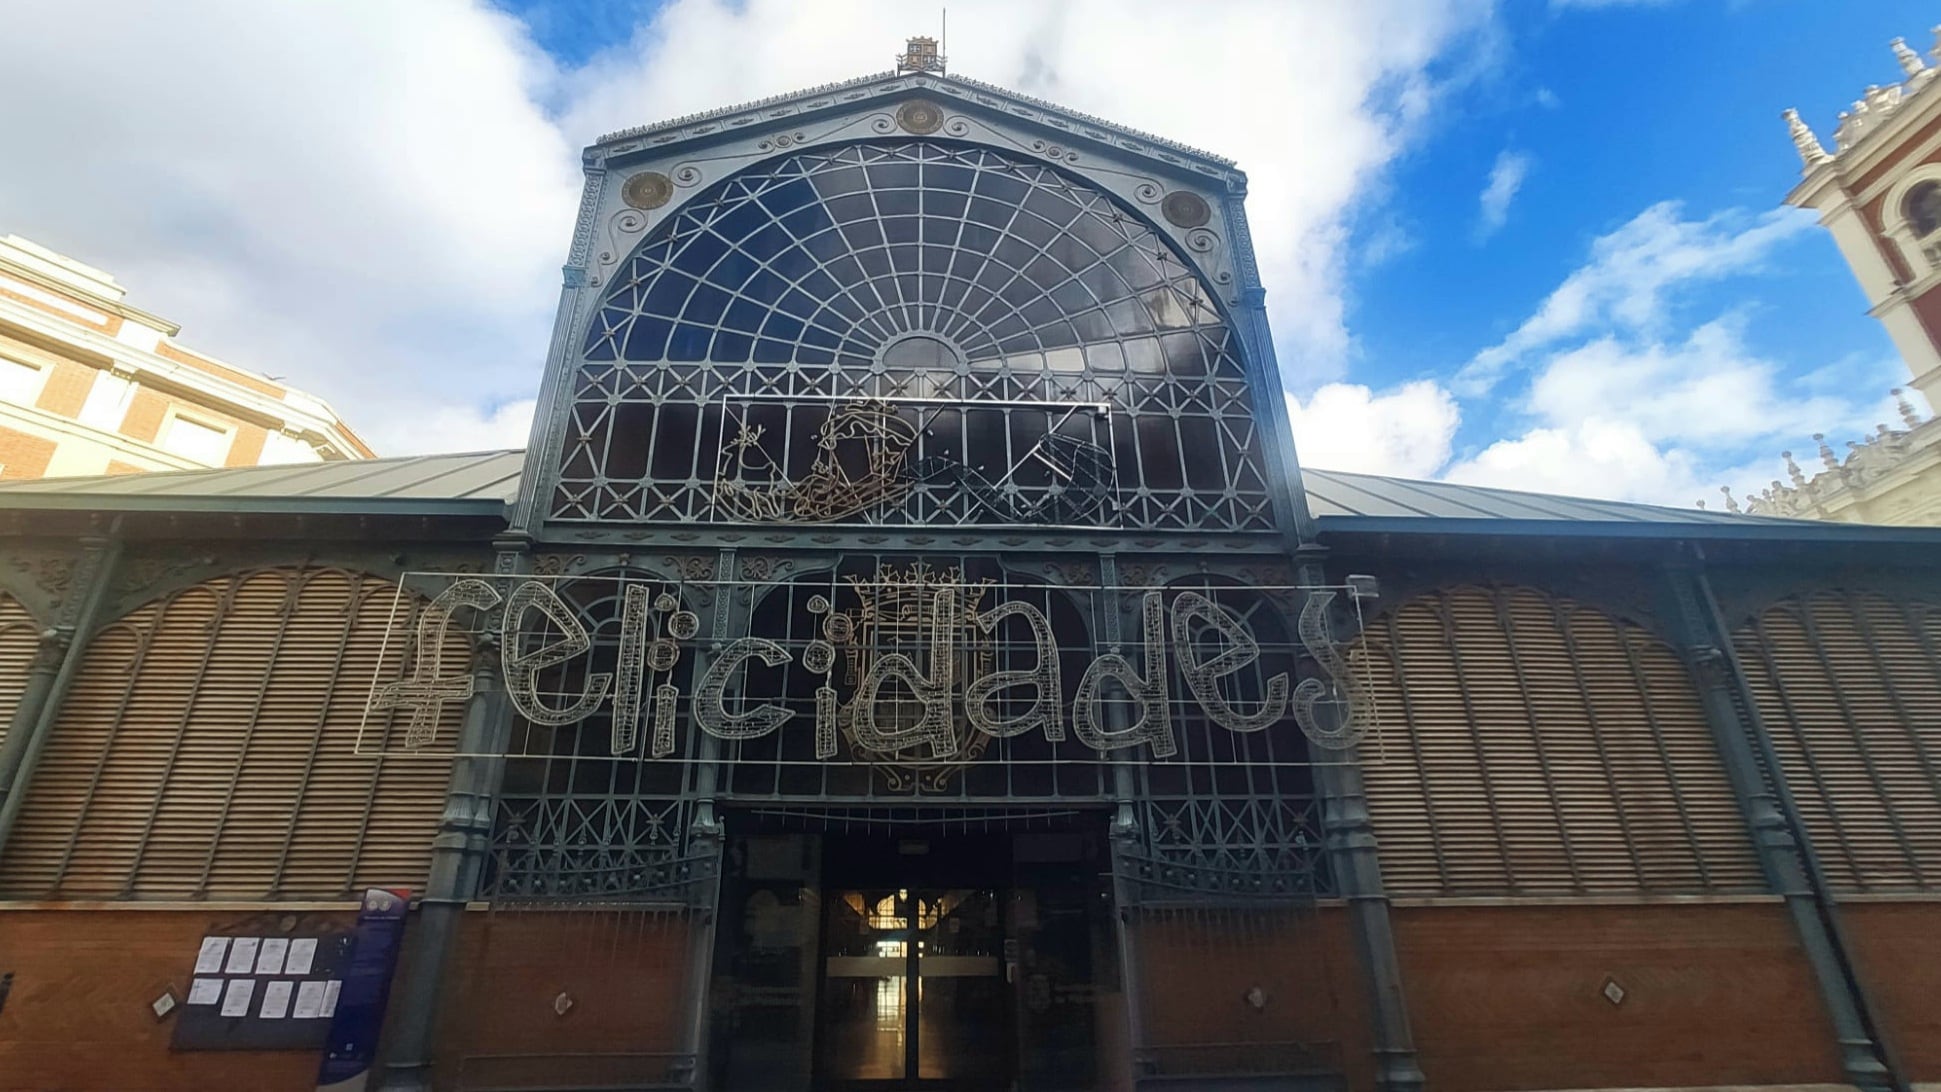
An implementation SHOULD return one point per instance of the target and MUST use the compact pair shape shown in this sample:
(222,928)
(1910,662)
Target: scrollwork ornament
(1148,192)
(1202,240)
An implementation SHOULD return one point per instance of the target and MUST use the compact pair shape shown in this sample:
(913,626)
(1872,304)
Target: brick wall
(22,455)
(78,1016)
(1897,949)
(1509,997)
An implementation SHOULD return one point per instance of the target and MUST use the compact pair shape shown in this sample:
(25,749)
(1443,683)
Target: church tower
(1879,192)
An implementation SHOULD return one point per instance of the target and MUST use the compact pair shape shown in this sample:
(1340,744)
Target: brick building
(910,655)
(90,385)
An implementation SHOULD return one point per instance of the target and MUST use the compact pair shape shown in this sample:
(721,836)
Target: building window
(107,401)
(1923,208)
(19,382)
(192,439)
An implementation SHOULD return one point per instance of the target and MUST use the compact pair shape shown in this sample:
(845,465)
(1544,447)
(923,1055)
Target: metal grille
(1199,969)
(208,749)
(574,994)
(1849,686)
(19,640)
(910,270)
(1538,746)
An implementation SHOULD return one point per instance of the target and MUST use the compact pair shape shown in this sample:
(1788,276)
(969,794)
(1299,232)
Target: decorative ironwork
(648,190)
(779,311)
(861,466)
(1184,208)
(919,117)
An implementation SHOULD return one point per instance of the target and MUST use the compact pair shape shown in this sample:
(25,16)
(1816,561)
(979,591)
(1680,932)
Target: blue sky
(1530,243)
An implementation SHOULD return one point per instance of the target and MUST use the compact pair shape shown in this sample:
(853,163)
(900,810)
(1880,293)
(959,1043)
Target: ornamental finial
(920,55)
(1793,471)
(1731,502)
(1910,61)
(1827,456)
(1810,151)
(1909,415)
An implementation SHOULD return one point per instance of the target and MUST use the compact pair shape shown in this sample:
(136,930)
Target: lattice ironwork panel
(914,270)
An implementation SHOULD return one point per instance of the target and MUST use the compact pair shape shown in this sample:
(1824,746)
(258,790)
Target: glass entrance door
(913,990)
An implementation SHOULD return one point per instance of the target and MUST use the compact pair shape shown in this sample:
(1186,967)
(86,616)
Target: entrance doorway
(913,985)
(923,958)
(912,992)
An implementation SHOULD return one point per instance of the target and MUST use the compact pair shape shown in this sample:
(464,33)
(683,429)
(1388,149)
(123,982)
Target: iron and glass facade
(910,655)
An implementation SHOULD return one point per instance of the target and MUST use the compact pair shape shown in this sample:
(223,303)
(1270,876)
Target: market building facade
(909,655)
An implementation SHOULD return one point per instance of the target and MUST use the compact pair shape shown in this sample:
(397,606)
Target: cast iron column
(56,661)
(1349,835)
(457,864)
(1784,849)
(458,855)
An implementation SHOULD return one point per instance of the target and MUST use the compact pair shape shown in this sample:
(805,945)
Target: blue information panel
(359,1019)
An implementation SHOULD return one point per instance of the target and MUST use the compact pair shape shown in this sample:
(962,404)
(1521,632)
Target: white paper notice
(330,997)
(205,991)
(242,955)
(303,951)
(235,999)
(269,959)
(209,959)
(276,1000)
(310,998)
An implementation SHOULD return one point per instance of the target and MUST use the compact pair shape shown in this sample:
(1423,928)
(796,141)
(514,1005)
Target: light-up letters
(1147,692)
(429,688)
(1202,676)
(918,689)
(522,665)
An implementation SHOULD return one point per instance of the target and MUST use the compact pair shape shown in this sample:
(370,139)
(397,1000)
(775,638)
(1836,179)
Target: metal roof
(1338,493)
(485,482)
(468,483)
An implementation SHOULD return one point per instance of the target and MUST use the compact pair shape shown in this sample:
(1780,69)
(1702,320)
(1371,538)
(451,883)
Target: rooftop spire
(1810,151)
(920,55)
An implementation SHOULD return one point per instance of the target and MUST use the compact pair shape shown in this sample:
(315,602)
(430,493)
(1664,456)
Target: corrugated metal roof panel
(1338,493)
(490,476)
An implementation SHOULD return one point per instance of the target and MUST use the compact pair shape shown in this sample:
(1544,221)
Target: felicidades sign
(921,678)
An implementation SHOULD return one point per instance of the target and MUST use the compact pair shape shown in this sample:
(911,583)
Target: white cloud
(1594,457)
(362,197)
(480,428)
(1506,177)
(1405,430)
(1314,99)
(1631,277)
(373,199)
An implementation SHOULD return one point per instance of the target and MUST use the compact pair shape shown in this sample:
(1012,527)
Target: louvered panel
(1543,748)
(1849,687)
(208,749)
(18,641)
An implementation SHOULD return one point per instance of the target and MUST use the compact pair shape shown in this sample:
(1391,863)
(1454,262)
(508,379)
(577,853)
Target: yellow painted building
(90,385)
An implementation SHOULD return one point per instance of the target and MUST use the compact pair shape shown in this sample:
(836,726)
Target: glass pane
(960,988)
(864,995)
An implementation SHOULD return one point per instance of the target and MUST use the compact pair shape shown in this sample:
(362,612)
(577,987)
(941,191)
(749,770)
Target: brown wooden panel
(1532,745)
(1849,687)
(1898,949)
(78,1015)
(210,748)
(1510,997)
(1196,967)
(624,971)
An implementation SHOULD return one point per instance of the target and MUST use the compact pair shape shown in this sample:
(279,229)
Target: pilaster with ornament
(1773,822)
(460,848)
(1348,832)
(56,661)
